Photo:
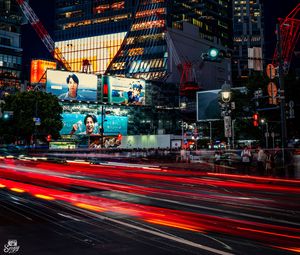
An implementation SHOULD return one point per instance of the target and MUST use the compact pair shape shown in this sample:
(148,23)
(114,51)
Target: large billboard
(72,86)
(88,124)
(208,105)
(127,91)
(208,108)
(38,70)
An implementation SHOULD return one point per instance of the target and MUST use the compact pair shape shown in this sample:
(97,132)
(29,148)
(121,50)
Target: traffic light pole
(282,92)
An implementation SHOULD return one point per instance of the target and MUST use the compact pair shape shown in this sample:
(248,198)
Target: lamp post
(210,135)
(101,129)
(226,110)
(263,121)
(282,93)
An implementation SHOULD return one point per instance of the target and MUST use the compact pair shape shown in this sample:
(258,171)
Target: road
(81,208)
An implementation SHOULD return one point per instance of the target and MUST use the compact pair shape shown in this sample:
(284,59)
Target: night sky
(32,45)
(34,48)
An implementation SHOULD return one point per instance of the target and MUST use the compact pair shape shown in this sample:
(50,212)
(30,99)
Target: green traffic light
(5,116)
(213,52)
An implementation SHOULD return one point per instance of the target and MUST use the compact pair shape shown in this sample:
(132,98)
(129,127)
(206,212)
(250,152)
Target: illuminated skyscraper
(248,27)
(127,37)
(10,46)
(91,30)
(213,18)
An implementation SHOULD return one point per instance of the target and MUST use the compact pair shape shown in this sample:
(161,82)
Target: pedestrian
(217,161)
(269,163)
(188,156)
(261,161)
(246,159)
(182,155)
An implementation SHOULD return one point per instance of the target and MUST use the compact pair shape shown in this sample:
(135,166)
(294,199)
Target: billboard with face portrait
(72,86)
(90,124)
(126,91)
(38,70)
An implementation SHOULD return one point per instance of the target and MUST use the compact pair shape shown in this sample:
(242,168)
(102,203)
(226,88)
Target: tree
(26,106)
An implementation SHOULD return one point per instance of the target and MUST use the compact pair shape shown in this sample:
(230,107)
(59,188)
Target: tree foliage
(25,107)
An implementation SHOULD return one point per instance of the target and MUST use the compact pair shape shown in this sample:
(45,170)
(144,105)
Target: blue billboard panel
(208,105)
(72,86)
(126,91)
(86,124)
(208,108)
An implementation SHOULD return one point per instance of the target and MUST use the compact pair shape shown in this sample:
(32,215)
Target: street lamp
(226,92)
(226,110)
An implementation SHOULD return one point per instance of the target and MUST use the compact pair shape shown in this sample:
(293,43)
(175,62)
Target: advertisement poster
(97,142)
(72,86)
(89,124)
(38,70)
(127,91)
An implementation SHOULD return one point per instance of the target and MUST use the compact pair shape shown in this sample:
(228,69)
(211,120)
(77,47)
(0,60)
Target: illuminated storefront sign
(79,124)
(72,86)
(38,70)
(62,145)
(124,90)
(98,50)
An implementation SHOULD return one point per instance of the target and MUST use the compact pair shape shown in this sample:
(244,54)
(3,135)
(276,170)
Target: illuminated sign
(124,90)
(38,70)
(85,124)
(96,141)
(72,86)
(62,145)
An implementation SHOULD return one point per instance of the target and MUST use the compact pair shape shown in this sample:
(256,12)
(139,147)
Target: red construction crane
(289,33)
(42,33)
(188,85)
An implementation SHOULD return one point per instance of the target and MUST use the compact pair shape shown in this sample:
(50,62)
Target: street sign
(227,126)
(37,121)
(272,92)
(271,71)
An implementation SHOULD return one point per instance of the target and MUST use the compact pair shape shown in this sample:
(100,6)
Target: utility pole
(102,126)
(282,92)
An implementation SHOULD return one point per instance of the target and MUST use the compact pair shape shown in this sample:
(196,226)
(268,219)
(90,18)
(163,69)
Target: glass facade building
(98,50)
(142,51)
(213,18)
(91,30)
(128,38)
(248,24)
(10,47)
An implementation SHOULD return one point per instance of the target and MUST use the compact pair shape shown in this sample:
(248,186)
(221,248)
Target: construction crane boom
(290,34)
(42,33)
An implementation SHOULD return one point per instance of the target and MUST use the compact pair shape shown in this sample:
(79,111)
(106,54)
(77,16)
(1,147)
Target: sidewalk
(209,167)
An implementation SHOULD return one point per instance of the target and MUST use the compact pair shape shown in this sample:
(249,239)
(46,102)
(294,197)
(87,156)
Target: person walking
(261,161)
(246,159)
(269,163)
(217,161)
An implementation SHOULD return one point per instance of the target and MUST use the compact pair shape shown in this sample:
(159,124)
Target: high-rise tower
(131,33)
(10,46)
(248,27)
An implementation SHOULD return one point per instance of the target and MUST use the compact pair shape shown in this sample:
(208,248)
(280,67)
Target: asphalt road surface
(79,208)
